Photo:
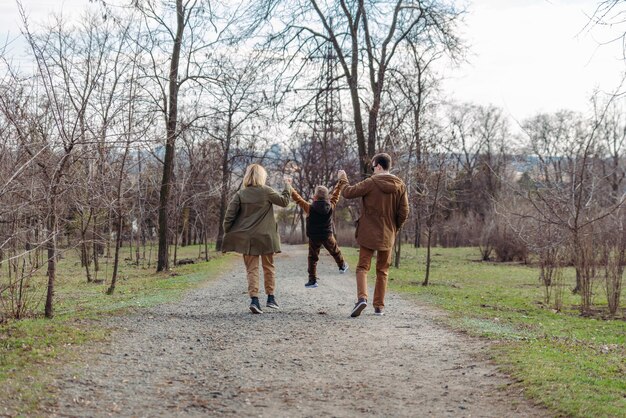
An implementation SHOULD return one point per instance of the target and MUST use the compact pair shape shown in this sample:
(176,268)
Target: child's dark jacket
(319,220)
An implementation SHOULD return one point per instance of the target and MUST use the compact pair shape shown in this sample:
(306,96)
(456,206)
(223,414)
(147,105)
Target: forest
(130,130)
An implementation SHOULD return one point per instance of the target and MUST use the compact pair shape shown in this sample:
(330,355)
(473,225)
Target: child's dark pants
(314,251)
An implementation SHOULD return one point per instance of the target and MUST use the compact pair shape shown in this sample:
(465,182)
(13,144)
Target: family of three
(250,229)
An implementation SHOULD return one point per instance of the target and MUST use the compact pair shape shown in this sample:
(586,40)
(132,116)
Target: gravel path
(209,356)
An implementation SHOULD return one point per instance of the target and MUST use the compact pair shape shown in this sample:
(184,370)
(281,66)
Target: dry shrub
(558,285)
(345,237)
(508,246)
(18,297)
(613,260)
(551,275)
(614,272)
(293,238)
(460,230)
(487,239)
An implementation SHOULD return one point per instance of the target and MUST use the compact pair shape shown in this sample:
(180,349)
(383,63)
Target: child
(319,227)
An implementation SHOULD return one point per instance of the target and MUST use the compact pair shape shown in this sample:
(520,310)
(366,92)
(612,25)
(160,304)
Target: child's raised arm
(334,197)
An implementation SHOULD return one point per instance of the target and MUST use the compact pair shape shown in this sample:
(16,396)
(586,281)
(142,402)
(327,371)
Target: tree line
(135,122)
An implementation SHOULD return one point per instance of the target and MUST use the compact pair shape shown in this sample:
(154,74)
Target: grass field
(574,365)
(30,348)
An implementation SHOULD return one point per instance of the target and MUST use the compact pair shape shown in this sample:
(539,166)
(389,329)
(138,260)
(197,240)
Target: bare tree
(477,141)
(435,201)
(67,93)
(418,84)
(201,194)
(128,105)
(172,37)
(366,37)
(570,199)
(239,99)
(612,141)
(20,194)
(609,13)
(186,42)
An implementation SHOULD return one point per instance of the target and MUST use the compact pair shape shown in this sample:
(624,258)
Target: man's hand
(288,180)
(342,175)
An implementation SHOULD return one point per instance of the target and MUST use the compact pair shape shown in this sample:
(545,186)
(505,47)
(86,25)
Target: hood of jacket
(387,183)
(320,206)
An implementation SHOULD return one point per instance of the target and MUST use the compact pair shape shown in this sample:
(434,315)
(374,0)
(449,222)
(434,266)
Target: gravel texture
(207,355)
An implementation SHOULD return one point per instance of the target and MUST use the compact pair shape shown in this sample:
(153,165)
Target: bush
(460,230)
(293,239)
(508,247)
(345,237)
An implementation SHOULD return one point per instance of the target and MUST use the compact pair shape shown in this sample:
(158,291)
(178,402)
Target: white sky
(528,56)
(36,12)
(533,56)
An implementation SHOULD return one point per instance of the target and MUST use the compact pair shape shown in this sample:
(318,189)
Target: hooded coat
(384,209)
(249,224)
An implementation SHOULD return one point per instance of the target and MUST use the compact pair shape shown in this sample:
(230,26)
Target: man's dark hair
(383,159)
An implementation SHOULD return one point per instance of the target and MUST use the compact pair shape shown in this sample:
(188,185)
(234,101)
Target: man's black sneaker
(312,283)
(343,268)
(358,308)
(271,302)
(254,306)
(379,311)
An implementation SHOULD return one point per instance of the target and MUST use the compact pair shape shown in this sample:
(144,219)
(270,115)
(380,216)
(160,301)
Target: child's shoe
(343,268)
(312,283)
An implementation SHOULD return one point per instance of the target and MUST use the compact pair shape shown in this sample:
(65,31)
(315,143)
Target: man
(384,209)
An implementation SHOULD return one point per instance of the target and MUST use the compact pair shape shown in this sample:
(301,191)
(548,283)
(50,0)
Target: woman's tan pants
(252,269)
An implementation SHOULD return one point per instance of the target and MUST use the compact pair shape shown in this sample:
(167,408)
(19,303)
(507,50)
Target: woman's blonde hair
(255,176)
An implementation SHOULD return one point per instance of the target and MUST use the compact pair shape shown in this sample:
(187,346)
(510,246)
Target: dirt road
(209,356)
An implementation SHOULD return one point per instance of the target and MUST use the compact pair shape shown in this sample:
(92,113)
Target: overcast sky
(527,56)
(532,56)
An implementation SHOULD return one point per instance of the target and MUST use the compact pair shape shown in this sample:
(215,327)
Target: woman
(250,229)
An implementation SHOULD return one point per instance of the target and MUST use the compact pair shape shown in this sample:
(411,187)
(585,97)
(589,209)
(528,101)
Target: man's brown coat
(384,209)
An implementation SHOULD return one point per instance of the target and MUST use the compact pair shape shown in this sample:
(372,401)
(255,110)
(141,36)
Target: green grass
(31,348)
(574,365)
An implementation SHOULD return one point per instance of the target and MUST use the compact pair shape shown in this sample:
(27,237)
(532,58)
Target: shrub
(345,237)
(509,247)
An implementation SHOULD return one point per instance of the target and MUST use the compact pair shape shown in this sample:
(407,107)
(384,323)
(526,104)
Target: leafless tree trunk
(434,197)
(171,133)
(120,211)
